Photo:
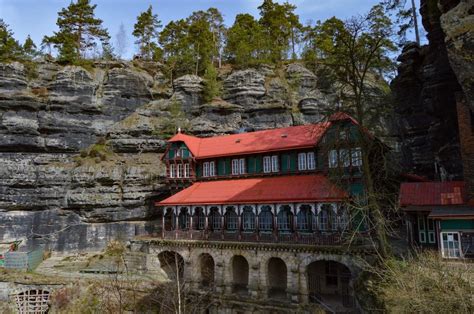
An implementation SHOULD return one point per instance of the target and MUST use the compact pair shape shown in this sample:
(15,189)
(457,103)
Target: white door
(450,245)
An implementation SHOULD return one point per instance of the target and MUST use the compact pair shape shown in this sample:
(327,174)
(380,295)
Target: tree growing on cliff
(282,26)
(79,31)
(356,51)
(245,42)
(10,49)
(146,30)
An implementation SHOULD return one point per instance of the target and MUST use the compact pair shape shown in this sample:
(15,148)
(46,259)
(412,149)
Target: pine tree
(10,49)
(282,27)
(245,42)
(211,85)
(79,31)
(29,47)
(177,50)
(146,32)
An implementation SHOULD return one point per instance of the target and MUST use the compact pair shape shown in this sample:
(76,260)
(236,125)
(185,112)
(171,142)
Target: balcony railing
(310,238)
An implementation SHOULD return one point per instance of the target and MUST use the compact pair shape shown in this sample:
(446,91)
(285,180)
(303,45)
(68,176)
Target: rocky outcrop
(425,96)
(457,21)
(81,148)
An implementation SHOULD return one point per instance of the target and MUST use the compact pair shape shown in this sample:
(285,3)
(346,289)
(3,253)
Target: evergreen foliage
(146,31)
(10,49)
(246,42)
(211,85)
(79,32)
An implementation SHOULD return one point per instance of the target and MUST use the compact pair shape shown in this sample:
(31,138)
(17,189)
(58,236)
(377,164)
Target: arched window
(265,219)
(231,219)
(304,218)
(248,219)
(324,218)
(285,218)
(183,218)
(215,219)
(169,219)
(199,218)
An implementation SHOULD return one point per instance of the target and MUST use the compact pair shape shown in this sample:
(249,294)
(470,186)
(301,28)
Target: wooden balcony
(313,238)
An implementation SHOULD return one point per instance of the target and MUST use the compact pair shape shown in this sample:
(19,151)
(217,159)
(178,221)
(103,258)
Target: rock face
(457,21)
(425,95)
(81,149)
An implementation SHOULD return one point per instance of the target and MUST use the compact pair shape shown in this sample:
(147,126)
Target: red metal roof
(254,142)
(432,193)
(285,189)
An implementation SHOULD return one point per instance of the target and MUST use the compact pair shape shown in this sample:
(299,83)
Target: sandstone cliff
(429,80)
(80,148)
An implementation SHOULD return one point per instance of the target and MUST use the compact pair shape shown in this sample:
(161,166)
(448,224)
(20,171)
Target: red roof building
(265,181)
(287,189)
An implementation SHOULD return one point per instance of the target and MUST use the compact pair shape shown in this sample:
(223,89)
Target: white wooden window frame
(451,252)
(212,168)
(172,170)
(242,166)
(431,231)
(205,169)
(311,161)
(302,161)
(267,164)
(235,166)
(179,171)
(186,171)
(421,229)
(356,156)
(275,164)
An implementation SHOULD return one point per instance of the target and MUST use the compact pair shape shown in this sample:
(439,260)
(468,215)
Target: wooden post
(163,224)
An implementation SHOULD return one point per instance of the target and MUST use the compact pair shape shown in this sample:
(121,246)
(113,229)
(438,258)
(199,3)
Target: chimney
(466,138)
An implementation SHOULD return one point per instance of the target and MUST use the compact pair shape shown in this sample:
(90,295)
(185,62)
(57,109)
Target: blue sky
(38,17)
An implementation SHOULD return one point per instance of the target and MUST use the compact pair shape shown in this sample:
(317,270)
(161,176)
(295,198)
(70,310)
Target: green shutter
(258,164)
(251,164)
(284,162)
(199,170)
(228,169)
(293,157)
(221,167)
(171,154)
(357,188)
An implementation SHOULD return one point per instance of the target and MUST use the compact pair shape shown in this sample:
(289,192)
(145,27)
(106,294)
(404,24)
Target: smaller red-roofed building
(440,215)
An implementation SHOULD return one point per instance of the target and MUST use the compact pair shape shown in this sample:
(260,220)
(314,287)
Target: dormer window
(345,157)
(209,169)
(270,164)
(238,166)
(306,161)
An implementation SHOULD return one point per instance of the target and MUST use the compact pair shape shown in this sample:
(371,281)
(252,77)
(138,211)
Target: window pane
(266,164)
(265,219)
(345,157)
(301,161)
(311,161)
(235,166)
(248,219)
(284,219)
(356,157)
(242,166)
(275,164)
(333,158)
(172,171)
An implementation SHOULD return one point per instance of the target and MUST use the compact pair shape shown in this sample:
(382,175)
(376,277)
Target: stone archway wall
(258,258)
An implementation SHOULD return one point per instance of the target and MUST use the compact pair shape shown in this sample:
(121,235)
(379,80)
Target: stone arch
(207,270)
(240,274)
(330,282)
(172,263)
(277,277)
